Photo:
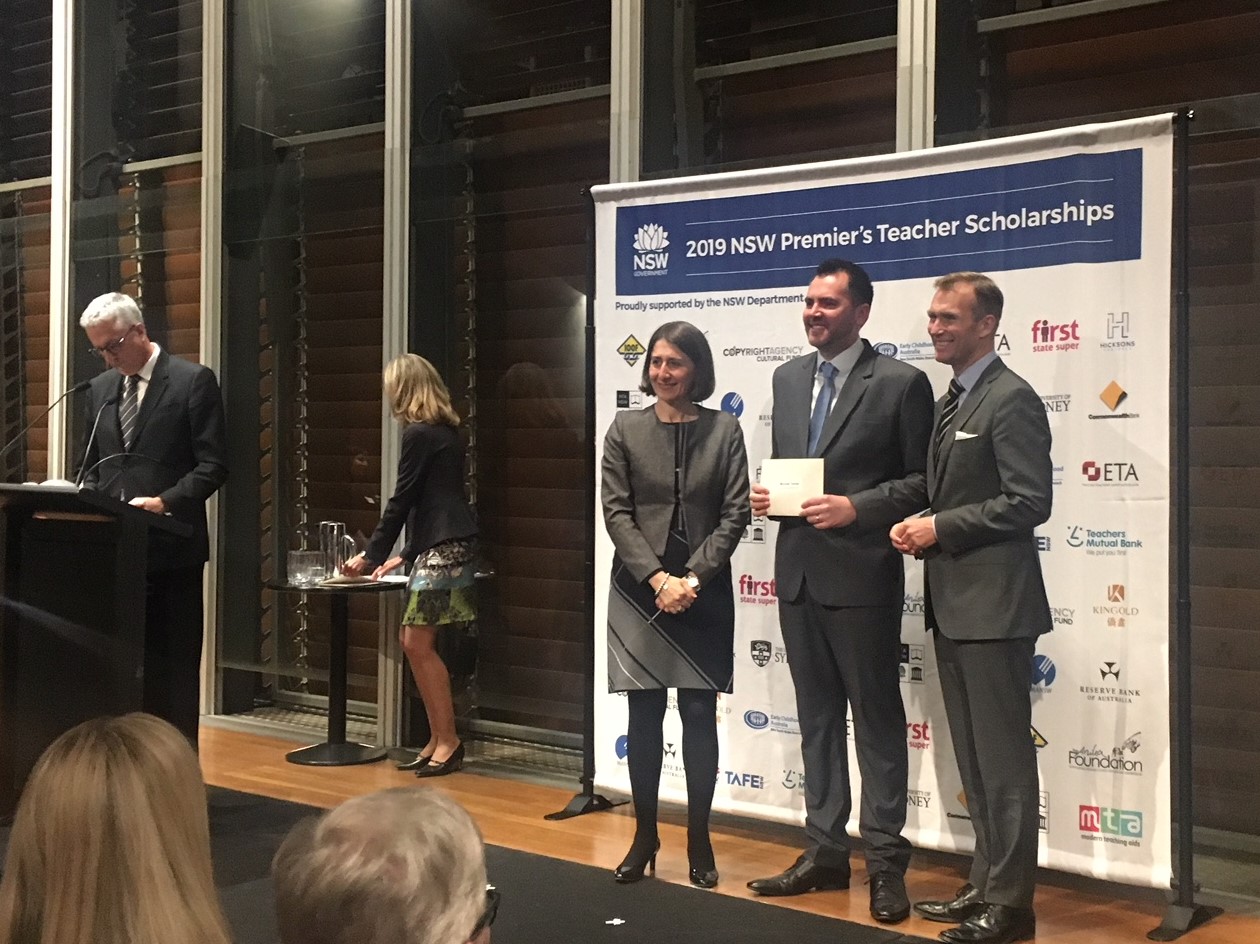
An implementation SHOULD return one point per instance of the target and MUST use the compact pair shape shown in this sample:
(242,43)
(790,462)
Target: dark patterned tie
(129,410)
(822,405)
(947,415)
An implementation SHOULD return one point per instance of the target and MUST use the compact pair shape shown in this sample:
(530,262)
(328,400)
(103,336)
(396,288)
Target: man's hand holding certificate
(793,488)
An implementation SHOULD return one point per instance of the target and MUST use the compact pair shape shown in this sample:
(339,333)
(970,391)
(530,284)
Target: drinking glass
(306,568)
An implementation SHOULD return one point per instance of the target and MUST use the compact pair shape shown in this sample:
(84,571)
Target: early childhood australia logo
(650,242)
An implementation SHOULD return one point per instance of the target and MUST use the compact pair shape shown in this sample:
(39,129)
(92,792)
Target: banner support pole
(588,801)
(1182,914)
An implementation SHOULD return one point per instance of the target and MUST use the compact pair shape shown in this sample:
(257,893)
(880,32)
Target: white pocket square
(961,435)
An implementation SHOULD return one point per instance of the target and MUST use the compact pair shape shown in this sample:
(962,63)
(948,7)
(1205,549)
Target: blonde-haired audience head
(401,866)
(111,842)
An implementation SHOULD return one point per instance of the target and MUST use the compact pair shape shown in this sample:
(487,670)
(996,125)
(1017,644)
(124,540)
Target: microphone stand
(82,385)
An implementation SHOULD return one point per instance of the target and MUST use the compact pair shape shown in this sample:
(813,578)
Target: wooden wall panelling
(528,169)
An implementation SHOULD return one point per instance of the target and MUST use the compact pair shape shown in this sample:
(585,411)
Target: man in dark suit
(841,587)
(156,441)
(989,485)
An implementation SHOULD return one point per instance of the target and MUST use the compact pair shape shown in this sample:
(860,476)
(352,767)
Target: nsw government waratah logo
(650,242)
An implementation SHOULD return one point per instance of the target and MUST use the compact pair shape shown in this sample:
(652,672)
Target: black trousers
(172,647)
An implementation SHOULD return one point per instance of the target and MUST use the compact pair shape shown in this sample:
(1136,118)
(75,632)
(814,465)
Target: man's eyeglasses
(491,912)
(112,347)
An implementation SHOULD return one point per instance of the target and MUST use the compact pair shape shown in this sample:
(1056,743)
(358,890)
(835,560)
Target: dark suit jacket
(179,453)
(874,447)
(638,489)
(992,487)
(429,496)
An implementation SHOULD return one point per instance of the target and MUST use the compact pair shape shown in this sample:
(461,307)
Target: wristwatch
(693,582)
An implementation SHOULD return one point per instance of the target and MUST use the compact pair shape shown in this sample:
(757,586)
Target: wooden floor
(1070,910)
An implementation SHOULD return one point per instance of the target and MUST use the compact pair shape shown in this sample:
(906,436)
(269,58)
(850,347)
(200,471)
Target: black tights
(698,710)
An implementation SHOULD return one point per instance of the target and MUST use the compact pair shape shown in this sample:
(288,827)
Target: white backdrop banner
(1075,226)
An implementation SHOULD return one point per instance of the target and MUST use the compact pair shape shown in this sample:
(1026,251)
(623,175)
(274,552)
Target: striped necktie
(947,414)
(129,411)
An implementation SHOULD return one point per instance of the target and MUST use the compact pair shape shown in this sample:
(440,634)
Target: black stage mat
(545,901)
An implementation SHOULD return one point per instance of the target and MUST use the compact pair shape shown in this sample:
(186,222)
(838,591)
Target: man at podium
(156,440)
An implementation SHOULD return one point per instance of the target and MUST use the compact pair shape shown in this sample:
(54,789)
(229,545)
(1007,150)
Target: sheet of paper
(791,482)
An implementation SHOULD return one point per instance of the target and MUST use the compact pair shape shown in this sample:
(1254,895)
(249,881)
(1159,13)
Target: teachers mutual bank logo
(650,242)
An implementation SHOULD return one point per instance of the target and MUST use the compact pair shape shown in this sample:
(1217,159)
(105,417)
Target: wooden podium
(72,605)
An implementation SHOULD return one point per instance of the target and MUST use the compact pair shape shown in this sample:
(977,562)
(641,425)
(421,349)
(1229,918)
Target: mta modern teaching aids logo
(650,242)
(733,404)
(631,349)
(1105,824)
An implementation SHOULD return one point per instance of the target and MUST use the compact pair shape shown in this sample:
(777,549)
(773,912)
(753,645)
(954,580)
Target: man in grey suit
(841,587)
(156,440)
(989,485)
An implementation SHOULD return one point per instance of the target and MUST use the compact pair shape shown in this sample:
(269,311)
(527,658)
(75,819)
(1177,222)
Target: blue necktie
(822,406)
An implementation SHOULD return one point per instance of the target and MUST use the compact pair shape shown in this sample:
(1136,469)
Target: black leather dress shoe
(964,904)
(996,924)
(803,876)
(889,903)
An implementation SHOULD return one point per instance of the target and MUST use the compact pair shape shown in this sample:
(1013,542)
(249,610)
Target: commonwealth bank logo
(650,242)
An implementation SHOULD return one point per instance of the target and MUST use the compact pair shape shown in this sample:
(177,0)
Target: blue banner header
(1082,208)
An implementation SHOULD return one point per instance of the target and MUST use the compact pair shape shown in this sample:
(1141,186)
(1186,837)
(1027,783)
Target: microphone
(124,458)
(82,385)
(84,470)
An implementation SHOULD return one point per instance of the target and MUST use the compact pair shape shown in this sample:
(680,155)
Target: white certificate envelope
(791,482)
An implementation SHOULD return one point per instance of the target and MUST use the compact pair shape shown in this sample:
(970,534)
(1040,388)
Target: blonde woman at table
(111,842)
(440,547)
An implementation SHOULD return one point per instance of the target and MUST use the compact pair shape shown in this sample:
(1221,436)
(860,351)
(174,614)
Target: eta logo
(650,239)
(1109,473)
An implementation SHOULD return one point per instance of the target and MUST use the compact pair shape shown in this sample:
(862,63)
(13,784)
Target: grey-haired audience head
(401,866)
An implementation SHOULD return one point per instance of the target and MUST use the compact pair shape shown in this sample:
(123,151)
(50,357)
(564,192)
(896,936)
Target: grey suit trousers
(841,657)
(986,684)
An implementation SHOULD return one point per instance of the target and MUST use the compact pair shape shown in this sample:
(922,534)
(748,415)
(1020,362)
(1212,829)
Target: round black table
(335,751)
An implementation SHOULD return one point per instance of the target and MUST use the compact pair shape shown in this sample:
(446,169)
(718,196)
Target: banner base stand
(585,803)
(1179,919)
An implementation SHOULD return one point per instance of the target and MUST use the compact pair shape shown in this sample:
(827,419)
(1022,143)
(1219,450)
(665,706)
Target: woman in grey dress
(675,494)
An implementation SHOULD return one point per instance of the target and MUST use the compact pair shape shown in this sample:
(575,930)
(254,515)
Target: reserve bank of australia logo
(631,350)
(761,652)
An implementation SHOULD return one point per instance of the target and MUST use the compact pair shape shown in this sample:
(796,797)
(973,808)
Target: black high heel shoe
(440,768)
(703,878)
(699,849)
(420,760)
(631,870)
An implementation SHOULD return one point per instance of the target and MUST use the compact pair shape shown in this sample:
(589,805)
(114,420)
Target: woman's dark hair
(691,341)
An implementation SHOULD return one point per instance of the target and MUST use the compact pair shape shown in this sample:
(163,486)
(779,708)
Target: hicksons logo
(650,243)
(1117,332)
(1121,759)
